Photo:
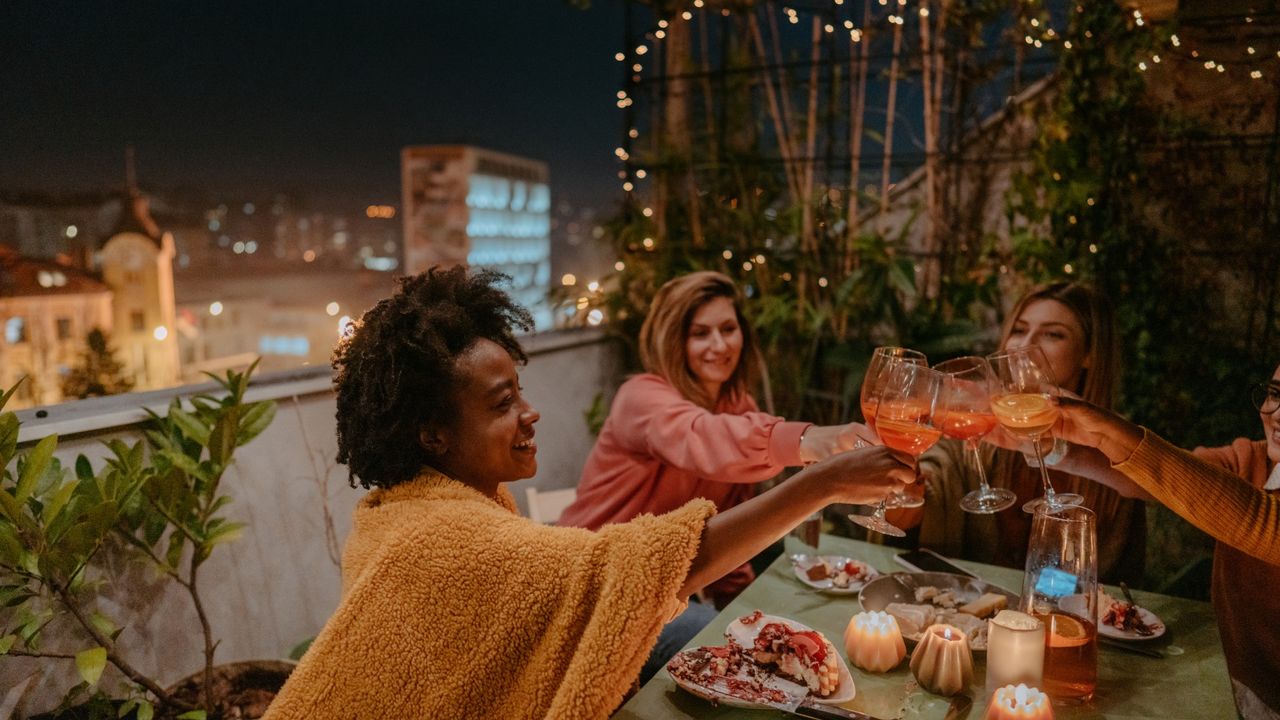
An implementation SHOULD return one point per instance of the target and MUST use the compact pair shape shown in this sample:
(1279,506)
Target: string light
(642,49)
(829,28)
(648,242)
(747,266)
(660,34)
(641,173)
(619,266)
(727,254)
(686,15)
(1256,74)
(619,57)
(822,282)
(662,23)
(628,187)
(924,12)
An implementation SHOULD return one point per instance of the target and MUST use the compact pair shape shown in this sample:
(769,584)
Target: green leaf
(190,425)
(34,465)
(103,624)
(126,708)
(10,545)
(225,533)
(256,419)
(6,643)
(145,711)
(222,441)
(10,507)
(174,555)
(4,399)
(84,469)
(91,663)
(9,427)
(193,715)
(57,502)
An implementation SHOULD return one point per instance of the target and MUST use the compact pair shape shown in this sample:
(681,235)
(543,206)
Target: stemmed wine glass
(964,413)
(905,422)
(1024,406)
(883,359)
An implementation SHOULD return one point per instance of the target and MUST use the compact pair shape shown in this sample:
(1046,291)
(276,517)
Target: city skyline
(312,101)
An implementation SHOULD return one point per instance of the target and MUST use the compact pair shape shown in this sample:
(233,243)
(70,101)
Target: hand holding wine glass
(905,422)
(1024,406)
(882,361)
(964,413)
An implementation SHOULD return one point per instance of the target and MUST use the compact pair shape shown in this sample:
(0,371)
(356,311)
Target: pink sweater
(657,451)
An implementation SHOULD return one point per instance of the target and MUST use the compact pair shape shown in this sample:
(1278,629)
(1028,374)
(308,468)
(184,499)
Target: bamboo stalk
(890,110)
(807,239)
(784,144)
(927,68)
(857,113)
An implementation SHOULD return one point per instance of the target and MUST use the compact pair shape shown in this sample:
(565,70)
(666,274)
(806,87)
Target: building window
(15,330)
(64,328)
(138,321)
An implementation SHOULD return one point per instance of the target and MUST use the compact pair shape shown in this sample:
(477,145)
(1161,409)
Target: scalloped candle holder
(873,642)
(942,662)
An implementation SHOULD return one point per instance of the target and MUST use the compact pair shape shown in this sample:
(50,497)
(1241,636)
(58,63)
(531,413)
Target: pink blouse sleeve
(651,417)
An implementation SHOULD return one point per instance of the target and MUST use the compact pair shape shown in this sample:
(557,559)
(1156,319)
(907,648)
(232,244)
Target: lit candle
(873,642)
(942,662)
(1019,703)
(1015,650)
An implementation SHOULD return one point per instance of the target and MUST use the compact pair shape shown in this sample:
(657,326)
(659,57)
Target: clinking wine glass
(905,422)
(883,359)
(964,413)
(1024,406)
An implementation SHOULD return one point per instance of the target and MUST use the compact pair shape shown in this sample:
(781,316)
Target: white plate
(745,635)
(715,690)
(1075,604)
(801,563)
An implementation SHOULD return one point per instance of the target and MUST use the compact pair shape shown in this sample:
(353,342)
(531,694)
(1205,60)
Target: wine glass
(883,359)
(1024,406)
(964,413)
(905,422)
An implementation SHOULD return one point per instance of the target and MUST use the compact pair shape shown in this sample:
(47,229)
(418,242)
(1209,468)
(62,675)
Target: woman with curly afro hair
(455,606)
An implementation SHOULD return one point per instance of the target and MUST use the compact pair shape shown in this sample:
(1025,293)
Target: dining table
(1185,676)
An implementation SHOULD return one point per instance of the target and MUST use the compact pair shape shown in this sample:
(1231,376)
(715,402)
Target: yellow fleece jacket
(454,606)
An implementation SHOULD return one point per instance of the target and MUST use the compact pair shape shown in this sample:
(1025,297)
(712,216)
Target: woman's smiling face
(714,344)
(490,440)
(1051,325)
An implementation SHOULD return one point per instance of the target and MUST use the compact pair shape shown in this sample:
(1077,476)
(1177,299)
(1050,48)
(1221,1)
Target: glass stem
(977,462)
(1044,472)
(879,513)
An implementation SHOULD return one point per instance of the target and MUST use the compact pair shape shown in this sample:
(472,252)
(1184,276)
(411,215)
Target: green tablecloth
(1189,682)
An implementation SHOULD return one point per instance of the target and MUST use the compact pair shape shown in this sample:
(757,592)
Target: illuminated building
(469,205)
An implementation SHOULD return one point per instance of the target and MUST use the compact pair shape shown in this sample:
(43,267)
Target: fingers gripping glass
(1266,397)
(1024,405)
(882,360)
(905,422)
(964,413)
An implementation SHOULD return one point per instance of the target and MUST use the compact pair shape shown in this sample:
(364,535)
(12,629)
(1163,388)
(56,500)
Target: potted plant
(158,501)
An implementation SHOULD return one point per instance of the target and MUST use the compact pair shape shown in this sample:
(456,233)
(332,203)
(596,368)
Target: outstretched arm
(1209,497)
(739,533)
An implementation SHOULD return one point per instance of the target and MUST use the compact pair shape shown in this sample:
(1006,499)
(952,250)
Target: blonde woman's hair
(1100,379)
(665,331)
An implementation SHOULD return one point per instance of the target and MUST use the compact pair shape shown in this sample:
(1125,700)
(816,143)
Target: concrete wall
(276,586)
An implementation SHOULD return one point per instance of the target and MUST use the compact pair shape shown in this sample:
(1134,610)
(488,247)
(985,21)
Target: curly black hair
(395,369)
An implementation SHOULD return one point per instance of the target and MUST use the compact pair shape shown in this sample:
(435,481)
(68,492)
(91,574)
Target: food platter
(905,589)
(1075,604)
(727,674)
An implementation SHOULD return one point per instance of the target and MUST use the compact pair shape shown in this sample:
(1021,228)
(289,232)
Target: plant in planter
(158,501)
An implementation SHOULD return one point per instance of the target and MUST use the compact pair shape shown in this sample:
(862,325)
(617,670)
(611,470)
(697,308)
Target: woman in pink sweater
(688,427)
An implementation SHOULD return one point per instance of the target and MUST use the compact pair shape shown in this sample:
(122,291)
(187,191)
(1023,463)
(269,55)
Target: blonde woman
(1074,326)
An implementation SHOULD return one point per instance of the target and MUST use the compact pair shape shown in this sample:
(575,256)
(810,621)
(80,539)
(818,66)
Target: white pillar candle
(1015,650)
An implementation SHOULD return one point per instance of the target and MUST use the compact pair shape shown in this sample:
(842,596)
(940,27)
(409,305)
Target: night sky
(245,99)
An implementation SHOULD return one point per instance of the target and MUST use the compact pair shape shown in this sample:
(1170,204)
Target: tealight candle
(873,642)
(1015,650)
(1019,703)
(942,662)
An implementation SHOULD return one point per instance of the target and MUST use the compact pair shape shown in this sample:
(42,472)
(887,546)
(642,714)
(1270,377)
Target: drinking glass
(1024,406)
(905,422)
(1060,588)
(964,413)
(883,359)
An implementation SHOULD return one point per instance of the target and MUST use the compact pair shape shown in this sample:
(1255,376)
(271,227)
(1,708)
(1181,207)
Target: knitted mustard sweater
(454,606)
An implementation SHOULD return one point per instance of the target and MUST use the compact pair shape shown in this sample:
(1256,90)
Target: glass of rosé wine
(964,413)
(905,423)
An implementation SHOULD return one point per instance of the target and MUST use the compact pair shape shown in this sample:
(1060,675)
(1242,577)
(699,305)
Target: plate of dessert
(1118,619)
(832,573)
(767,661)
(918,600)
